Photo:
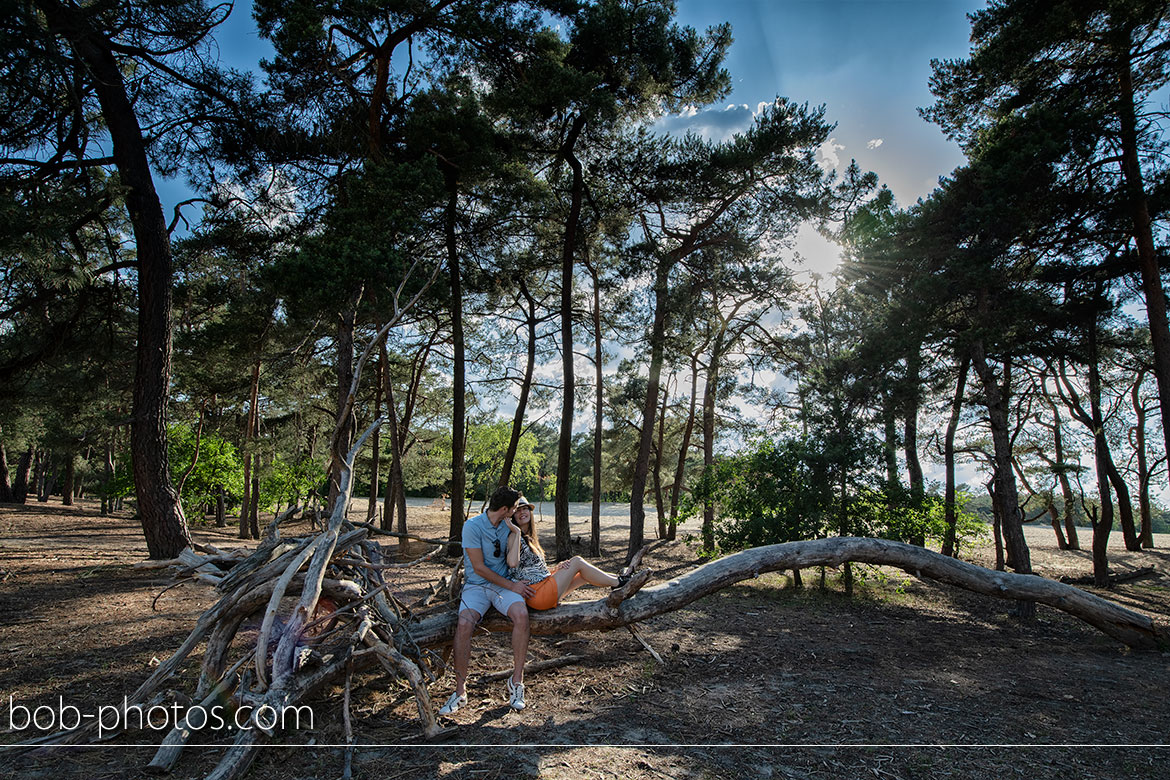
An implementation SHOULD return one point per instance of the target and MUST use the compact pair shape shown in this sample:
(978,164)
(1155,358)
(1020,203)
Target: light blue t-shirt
(478,533)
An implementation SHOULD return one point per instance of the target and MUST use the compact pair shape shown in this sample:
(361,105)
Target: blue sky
(867,61)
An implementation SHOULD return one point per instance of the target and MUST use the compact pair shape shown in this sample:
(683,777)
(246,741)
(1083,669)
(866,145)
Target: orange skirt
(545,596)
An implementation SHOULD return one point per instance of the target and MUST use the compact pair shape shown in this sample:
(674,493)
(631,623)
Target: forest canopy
(573,300)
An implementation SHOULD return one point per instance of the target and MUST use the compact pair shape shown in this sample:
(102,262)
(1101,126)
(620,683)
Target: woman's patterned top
(531,568)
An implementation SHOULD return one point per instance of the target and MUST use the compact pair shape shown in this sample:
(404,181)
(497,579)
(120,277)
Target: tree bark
(1054,519)
(376,441)
(254,507)
(568,252)
(23,471)
(1006,496)
(1138,442)
(649,411)
(525,386)
(1143,233)
(159,510)
(108,475)
(710,389)
(1102,526)
(44,477)
(458,373)
(1070,526)
(910,437)
(343,371)
(684,447)
(251,428)
(659,504)
(598,416)
(395,489)
(5,484)
(67,487)
(949,547)
(890,445)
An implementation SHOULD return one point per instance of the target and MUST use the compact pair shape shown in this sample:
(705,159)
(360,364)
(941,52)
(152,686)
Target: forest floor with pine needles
(906,679)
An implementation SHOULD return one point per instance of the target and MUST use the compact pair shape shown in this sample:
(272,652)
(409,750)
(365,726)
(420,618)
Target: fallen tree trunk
(1114,579)
(1127,626)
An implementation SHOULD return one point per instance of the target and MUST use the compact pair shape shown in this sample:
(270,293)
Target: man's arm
(475,555)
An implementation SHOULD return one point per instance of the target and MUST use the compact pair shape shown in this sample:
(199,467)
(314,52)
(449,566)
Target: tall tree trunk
(1005,491)
(1054,518)
(649,412)
(70,472)
(1070,526)
(108,475)
(568,253)
(890,446)
(1143,233)
(949,547)
(254,508)
(598,417)
(710,390)
(910,437)
(1103,525)
(23,471)
(458,373)
(525,387)
(220,513)
(680,469)
(395,503)
(659,504)
(343,371)
(376,442)
(159,510)
(1138,441)
(5,483)
(1124,502)
(44,476)
(843,529)
(251,426)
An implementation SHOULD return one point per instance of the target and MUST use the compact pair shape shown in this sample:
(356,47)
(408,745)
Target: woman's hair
(530,534)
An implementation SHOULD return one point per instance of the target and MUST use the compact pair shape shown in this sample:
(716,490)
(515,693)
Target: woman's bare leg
(576,572)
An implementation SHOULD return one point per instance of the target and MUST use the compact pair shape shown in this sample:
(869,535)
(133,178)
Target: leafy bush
(786,491)
(219,466)
(774,492)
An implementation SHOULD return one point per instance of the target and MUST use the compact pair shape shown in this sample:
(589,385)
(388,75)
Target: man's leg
(468,619)
(518,612)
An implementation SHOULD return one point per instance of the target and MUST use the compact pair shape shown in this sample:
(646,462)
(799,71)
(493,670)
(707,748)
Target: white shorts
(480,597)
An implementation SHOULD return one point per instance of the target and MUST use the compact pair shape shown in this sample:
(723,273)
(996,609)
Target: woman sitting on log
(526,563)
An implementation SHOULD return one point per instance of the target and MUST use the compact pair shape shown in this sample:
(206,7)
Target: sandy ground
(907,679)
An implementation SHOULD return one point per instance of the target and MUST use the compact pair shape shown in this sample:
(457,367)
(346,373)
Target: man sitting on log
(485,550)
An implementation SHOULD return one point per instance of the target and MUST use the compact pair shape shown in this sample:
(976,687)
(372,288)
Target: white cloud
(717,124)
(828,153)
(874,143)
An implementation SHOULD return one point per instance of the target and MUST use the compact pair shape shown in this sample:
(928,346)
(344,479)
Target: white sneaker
(453,704)
(515,695)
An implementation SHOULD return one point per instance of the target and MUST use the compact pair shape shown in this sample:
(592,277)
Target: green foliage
(775,491)
(288,482)
(219,466)
(783,491)
(487,444)
(901,518)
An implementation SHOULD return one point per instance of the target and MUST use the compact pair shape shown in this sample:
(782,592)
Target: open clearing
(803,683)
